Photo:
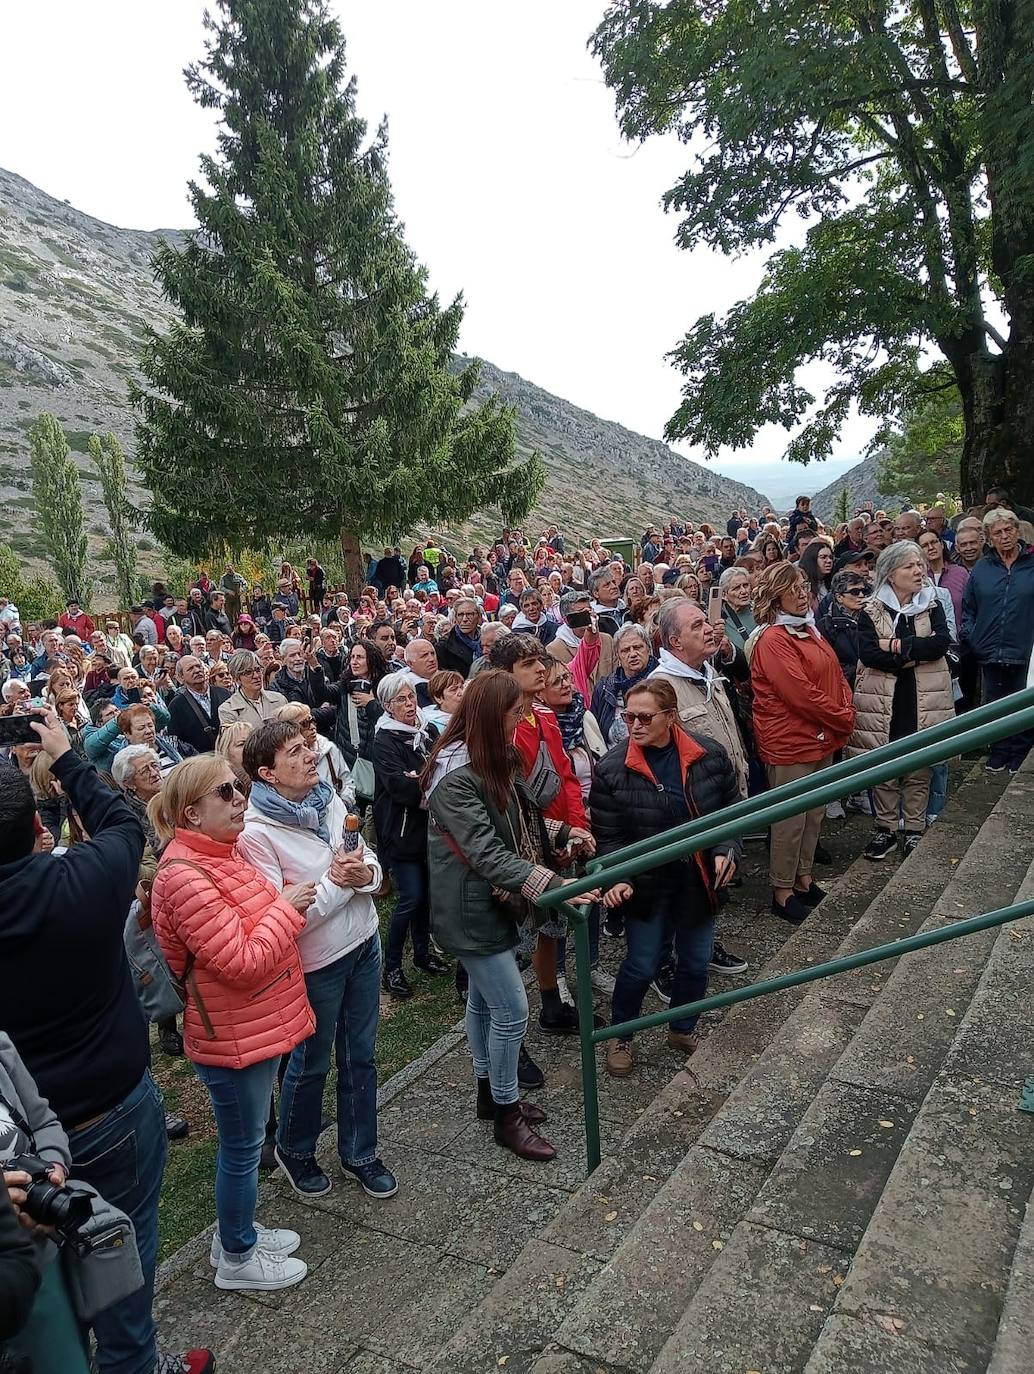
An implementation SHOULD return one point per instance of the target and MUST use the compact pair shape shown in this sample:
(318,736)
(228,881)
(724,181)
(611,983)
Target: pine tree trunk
(355,564)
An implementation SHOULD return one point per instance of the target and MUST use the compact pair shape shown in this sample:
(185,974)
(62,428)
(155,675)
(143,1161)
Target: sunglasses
(642,717)
(858,591)
(225,790)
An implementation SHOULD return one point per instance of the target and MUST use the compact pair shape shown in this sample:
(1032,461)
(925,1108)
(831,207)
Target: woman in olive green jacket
(488,847)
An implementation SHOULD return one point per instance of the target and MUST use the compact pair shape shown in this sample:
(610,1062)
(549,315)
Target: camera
(51,1204)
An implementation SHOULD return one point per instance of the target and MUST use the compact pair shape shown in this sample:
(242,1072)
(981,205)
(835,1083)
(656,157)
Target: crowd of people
(242,772)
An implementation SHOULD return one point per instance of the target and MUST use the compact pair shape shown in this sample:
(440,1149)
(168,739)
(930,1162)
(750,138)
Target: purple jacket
(953,579)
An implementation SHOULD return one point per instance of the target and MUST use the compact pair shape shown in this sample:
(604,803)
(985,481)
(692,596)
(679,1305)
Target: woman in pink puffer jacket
(231,937)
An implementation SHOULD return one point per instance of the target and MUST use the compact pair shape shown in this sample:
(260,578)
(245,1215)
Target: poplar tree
(309,389)
(58,497)
(109,460)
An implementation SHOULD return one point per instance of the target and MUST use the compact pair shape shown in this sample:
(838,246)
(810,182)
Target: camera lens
(63,1208)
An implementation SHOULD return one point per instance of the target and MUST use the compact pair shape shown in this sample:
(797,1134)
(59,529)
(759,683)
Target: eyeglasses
(642,717)
(225,790)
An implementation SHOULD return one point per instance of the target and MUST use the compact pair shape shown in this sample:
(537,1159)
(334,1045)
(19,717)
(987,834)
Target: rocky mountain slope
(76,296)
(862,483)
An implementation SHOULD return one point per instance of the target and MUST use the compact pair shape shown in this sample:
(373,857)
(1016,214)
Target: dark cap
(847,559)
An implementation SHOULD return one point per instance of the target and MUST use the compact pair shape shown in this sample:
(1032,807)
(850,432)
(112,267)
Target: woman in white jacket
(293,833)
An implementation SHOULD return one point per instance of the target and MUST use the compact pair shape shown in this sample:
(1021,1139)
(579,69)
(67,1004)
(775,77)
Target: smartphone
(361,684)
(17,729)
(714,605)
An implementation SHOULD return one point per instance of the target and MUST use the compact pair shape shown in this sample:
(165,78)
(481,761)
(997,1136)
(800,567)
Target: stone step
(704,1147)
(930,1287)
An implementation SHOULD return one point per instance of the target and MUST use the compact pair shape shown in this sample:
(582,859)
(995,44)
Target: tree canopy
(895,143)
(309,389)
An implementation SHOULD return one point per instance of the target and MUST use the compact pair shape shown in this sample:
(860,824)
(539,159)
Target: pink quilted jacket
(246,990)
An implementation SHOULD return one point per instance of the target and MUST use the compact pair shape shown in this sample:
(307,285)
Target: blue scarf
(472,642)
(308,814)
(572,723)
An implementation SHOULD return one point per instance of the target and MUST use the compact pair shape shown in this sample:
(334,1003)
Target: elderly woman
(903,684)
(446,690)
(400,750)
(737,615)
(659,778)
(802,715)
(231,938)
(838,625)
(250,702)
(633,650)
(998,623)
(330,764)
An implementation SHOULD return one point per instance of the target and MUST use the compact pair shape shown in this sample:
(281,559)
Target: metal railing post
(590,1084)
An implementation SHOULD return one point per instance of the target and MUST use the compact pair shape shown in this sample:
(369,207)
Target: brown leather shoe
(514,1132)
(684,1044)
(620,1058)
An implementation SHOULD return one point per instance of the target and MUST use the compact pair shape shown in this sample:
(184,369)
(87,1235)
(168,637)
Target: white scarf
(446,761)
(567,636)
(922,601)
(670,665)
(799,622)
(418,732)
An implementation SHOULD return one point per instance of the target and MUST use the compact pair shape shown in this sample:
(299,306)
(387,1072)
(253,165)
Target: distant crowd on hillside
(204,795)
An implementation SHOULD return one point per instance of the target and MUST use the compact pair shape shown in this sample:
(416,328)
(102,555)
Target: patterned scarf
(308,814)
(572,723)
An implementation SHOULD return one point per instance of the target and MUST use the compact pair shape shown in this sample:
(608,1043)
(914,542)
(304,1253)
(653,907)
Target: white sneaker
(277,1242)
(930,819)
(263,1272)
(564,991)
(602,980)
(860,802)
(835,811)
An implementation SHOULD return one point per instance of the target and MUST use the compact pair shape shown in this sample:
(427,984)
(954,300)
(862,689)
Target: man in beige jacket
(580,646)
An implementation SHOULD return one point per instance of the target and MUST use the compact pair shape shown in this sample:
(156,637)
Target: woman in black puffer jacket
(662,777)
(400,749)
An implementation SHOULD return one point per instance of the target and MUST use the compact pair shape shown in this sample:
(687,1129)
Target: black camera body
(51,1204)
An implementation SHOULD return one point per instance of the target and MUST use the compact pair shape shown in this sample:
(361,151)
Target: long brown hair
(772,585)
(479,723)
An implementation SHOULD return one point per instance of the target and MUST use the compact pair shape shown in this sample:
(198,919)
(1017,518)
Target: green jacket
(471,849)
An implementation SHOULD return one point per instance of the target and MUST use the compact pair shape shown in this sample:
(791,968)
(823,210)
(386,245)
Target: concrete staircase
(835,1183)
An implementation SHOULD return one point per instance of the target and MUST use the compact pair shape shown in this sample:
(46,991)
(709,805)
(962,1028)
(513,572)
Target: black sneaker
(170,1042)
(175,1127)
(661,985)
(812,896)
(792,910)
(911,845)
(881,844)
(304,1175)
(432,964)
(396,984)
(724,962)
(375,1178)
(822,856)
(529,1075)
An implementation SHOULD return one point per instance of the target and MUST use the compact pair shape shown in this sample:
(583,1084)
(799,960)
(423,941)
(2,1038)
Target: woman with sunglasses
(659,778)
(252,702)
(230,937)
(839,624)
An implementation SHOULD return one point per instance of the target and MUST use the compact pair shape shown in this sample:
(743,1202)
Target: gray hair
(125,761)
(241,662)
(494,630)
(599,576)
(7,690)
(631,631)
(669,618)
(391,685)
(893,557)
(571,599)
(730,575)
(1001,515)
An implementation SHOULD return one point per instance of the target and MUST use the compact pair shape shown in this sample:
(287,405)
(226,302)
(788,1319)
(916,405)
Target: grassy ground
(188,1189)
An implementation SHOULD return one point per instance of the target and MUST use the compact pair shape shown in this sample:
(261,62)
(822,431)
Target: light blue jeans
(497,1017)
(240,1104)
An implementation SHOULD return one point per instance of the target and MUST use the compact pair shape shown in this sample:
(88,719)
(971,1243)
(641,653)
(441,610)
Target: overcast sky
(506,162)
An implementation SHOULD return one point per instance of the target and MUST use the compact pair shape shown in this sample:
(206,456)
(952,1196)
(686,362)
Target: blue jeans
(1001,680)
(240,1103)
(938,789)
(346,999)
(412,914)
(593,919)
(497,1017)
(123,1157)
(648,942)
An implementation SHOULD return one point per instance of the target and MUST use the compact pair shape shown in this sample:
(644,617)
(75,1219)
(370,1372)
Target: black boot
(486,1106)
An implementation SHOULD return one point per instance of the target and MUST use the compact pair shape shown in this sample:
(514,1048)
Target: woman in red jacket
(803,713)
(556,791)
(230,937)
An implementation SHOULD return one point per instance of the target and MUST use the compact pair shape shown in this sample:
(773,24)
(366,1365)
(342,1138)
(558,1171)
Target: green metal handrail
(843,772)
(973,731)
(763,811)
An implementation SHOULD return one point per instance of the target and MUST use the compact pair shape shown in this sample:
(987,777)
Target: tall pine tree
(308,391)
(58,496)
(109,460)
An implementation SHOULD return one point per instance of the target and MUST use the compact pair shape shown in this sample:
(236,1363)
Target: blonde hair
(41,779)
(293,710)
(185,784)
(231,734)
(772,585)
